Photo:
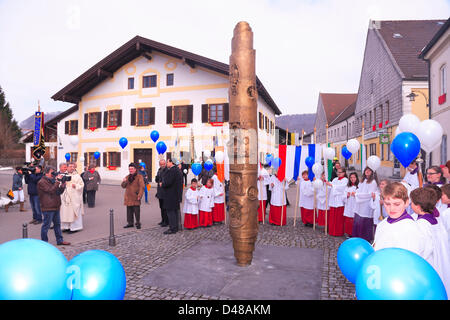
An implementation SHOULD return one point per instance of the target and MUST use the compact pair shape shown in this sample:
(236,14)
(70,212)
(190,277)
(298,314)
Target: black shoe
(138,225)
(169,232)
(71,232)
(65,231)
(128,226)
(164,225)
(161,223)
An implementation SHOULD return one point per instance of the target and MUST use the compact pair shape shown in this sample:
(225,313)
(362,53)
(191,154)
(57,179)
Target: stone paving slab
(275,272)
(143,251)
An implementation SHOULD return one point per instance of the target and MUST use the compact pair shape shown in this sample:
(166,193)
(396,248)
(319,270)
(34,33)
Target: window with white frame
(443,80)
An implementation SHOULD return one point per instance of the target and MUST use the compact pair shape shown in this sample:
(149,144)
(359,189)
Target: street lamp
(413,95)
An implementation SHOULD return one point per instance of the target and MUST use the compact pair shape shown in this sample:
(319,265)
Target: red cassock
(205,218)
(348,225)
(262,210)
(336,222)
(190,221)
(307,215)
(321,218)
(218,213)
(275,215)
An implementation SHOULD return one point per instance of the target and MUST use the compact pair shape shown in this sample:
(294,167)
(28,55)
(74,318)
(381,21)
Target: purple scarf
(429,217)
(405,215)
(415,170)
(435,212)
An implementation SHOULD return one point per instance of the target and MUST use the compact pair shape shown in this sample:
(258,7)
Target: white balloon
(397,132)
(185,171)
(430,134)
(329,153)
(207,153)
(318,183)
(317,169)
(409,123)
(353,145)
(373,162)
(219,156)
(81,159)
(74,140)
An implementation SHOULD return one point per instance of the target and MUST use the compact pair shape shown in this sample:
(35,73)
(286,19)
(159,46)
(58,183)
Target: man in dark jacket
(172,184)
(49,190)
(32,180)
(160,192)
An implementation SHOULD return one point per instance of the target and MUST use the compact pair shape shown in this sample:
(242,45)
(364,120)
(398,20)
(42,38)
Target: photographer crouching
(32,176)
(50,188)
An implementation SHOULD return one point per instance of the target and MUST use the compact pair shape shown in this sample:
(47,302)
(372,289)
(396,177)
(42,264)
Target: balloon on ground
(351,255)
(32,269)
(96,275)
(398,274)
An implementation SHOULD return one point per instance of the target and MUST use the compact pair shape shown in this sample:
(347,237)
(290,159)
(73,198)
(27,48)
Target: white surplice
(191,201)
(278,197)
(363,196)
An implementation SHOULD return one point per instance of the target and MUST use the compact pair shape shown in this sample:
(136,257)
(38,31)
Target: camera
(29,169)
(65,177)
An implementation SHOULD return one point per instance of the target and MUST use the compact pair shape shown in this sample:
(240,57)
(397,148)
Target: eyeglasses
(431,173)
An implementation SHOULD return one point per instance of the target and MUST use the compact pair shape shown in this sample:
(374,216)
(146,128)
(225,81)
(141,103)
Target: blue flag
(311,153)
(298,153)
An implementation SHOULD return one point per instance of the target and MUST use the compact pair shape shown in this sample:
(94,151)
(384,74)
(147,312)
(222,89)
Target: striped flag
(311,153)
(281,174)
(293,155)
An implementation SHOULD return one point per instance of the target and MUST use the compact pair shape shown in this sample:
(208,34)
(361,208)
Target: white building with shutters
(144,86)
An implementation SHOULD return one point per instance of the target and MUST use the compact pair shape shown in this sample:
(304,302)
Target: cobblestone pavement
(144,250)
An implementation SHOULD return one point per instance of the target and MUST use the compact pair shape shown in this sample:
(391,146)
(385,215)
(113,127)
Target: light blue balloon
(32,269)
(398,274)
(405,147)
(67,156)
(123,142)
(276,162)
(309,161)
(196,168)
(142,164)
(351,255)
(208,165)
(96,275)
(269,159)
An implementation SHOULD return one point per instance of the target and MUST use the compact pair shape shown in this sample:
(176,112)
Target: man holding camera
(32,177)
(50,188)
(72,201)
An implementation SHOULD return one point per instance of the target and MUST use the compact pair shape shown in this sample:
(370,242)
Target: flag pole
(284,183)
(362,147)
(315,203)
(297,198)
(224,191)
(326,179)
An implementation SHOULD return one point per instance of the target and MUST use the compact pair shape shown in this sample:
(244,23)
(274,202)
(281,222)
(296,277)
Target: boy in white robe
(263,181)
(190,207)
(445,214)
(278,212)
(218,213)
(306,202)
(206,203)
(436,248)
(399,230)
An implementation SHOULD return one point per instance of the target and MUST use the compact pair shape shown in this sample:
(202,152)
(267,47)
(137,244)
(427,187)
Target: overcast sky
(303,47)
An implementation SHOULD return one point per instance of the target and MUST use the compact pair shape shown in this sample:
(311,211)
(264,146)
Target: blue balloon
(405,147)
(196,168)
(67,156)
(96,154)
(345,153)
(96,275)
(123,142)
(269,159)
(32,269)
(161,147)
(398,274)
(351,255)
(309,161)
(154,135)
(208,165)
(276,162)
(142,164)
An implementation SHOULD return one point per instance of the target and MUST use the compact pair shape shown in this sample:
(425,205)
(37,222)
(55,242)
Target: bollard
(24,231)
(112,237)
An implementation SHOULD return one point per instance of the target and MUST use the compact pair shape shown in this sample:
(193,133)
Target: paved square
(210,267)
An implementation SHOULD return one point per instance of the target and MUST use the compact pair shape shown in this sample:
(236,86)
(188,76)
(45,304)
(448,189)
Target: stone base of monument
(210,268)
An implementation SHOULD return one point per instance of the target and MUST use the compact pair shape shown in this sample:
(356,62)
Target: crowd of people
(56,197)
